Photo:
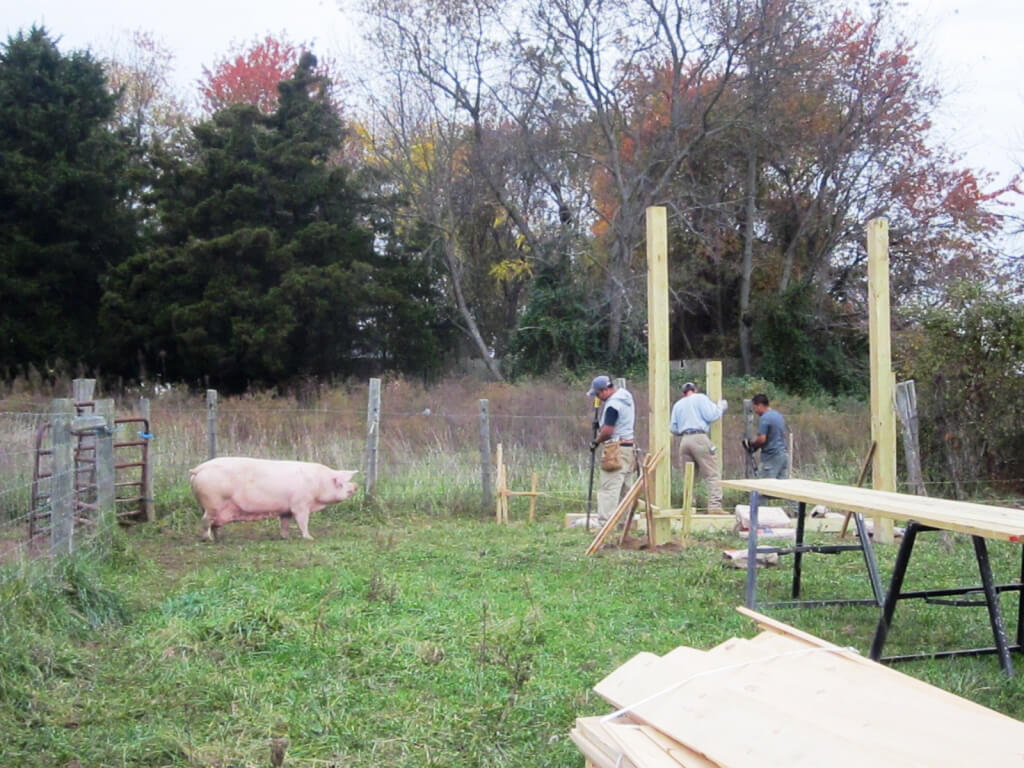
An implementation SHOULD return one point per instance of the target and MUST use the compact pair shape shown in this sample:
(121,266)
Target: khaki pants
(609,489)
(697,448)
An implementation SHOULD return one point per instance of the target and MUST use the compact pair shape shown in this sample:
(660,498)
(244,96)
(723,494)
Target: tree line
(486,195)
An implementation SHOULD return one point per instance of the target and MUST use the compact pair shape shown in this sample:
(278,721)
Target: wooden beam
(883,415)
(713,374)
(657,362)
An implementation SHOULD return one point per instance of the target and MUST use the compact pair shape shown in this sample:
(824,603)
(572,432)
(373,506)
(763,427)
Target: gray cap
(599,383)
(689,387)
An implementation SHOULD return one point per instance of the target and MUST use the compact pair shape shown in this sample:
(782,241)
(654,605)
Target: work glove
(748,446)
(593,445)
(723,405)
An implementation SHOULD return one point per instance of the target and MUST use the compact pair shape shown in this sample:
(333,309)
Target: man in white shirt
(692,416)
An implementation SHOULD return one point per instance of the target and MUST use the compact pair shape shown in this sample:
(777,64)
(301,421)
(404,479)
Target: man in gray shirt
(617,419)
(771,439)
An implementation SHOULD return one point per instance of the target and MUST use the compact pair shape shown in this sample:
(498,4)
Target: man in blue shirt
(616,419)
(692,416)
(771,439)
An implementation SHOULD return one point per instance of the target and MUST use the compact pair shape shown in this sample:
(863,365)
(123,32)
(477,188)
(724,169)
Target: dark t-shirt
(773,427)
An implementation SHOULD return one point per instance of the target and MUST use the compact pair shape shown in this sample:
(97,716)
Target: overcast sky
(975,48)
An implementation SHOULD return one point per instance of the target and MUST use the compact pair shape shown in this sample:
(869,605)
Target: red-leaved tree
(250,73)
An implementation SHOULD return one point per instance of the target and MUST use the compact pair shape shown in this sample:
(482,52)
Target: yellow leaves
(512,270)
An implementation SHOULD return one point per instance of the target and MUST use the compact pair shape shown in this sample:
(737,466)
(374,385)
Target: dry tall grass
(429,461)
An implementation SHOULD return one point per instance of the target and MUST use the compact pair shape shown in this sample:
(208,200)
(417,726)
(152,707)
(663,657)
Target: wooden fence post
(105,471)
(749,432)
(145,410)
(211,423)
(62,489)
(906,409)
(485,456)
(83,391)
(372,437)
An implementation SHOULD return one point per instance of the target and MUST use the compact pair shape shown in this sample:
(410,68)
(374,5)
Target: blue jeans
(775,466)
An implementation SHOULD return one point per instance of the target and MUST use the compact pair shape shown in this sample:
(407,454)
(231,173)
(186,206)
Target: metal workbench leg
(798,555)
(889,606)
(751,601)
(869,557)
(995,615)
(1020,604)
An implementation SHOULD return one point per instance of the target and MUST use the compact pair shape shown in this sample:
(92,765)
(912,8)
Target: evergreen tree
(269,264)
(63,190)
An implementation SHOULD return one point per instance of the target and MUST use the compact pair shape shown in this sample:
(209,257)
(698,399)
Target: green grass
(412,642)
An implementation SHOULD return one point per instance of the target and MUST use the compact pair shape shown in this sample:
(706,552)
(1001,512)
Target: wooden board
(985,520)
(741,703)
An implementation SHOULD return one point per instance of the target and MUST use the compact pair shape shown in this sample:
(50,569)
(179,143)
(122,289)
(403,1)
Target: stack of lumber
(785,698)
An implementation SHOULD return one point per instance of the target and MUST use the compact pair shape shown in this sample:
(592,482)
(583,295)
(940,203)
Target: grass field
(412,642)
(413,631)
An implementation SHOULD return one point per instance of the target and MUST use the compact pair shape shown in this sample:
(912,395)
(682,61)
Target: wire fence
(430,454)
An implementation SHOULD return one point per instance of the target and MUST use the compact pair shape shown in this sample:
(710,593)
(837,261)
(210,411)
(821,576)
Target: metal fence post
(372,437)
(62,496)
(211,423)
(485,456)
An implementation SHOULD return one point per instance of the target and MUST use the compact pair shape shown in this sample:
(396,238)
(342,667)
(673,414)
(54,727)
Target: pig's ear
(344,475)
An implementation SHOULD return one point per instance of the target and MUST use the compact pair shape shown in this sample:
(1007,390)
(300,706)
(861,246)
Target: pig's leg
(207,524)
(286,524)
(302,518)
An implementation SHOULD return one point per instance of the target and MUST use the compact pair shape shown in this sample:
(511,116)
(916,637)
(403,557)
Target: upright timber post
(485,455)
(372,439)
(62,493)
(657,368)
(105,472)
(146,412)
(211,424)
(883,382)
(713,373)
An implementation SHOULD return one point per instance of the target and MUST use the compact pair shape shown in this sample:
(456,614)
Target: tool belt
(611,456)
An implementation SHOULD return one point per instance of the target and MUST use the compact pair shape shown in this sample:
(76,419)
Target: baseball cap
(689,387)
(599,383)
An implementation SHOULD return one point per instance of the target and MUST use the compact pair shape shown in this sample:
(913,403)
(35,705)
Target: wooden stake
(499,480)
(860,481)
(650,461)
(688,474)
(533,497)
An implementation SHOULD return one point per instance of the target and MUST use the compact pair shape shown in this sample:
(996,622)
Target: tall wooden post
(146,411)
(485,455)
(372,438)
(211,423)
(883,414)
(62,488)
(749,432)
(713,373)
(105,471)
(657,367)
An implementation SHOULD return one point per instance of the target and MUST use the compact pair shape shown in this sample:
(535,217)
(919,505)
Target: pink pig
(231,488)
